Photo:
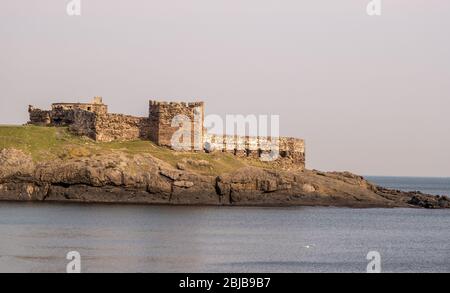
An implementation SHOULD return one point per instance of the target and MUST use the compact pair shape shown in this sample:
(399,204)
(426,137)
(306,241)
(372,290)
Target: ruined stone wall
(161,115)
(118,127)
(109,127)
(61,116)
(291,150)
(96,108)
(39,117)
(154,121)
(55,117)
(93,121)
(101,127)
(84,123)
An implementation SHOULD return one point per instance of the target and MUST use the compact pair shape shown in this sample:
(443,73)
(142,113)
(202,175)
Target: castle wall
(161,115)
(154,121)
(291,150)
(109,127)
(102,127)
(83,123)
(95,108)
(93,121)
(61,116)
(39,117)
(112,127)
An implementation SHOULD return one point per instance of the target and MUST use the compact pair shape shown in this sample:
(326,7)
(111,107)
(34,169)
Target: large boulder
(14,163)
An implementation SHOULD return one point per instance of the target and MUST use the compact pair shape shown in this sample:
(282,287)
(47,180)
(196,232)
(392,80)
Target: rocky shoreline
(143,179)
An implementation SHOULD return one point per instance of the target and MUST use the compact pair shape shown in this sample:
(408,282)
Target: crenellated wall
(161,116)
(285,150)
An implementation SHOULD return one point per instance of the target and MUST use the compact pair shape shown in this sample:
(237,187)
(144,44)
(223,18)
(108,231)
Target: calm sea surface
(35,237)
(438,186)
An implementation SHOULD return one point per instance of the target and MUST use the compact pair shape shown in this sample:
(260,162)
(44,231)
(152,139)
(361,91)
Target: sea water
(36,237)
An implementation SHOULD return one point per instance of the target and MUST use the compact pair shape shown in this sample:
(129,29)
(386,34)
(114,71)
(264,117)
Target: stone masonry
(161,119)
(93,120)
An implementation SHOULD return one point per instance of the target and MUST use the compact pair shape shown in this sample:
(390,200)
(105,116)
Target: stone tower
(163,128)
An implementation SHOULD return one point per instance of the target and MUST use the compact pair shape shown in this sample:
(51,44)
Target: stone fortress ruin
(93,120)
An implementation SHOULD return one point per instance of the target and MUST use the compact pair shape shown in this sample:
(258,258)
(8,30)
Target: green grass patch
(48,143)
(41,142)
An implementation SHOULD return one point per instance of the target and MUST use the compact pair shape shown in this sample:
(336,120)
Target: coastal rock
(181,166)
(116,177)
(308,188)
(197,163)
(420,202)
(185,184)
(15,163)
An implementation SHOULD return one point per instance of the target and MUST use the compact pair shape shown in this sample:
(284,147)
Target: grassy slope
(48,143)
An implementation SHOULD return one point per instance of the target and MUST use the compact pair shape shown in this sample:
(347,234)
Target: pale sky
(370,95)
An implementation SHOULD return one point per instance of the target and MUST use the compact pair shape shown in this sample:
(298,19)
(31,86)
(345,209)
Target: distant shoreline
(406,177)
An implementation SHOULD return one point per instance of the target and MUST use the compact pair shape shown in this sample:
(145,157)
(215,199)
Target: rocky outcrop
(14,163)
(117,177)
